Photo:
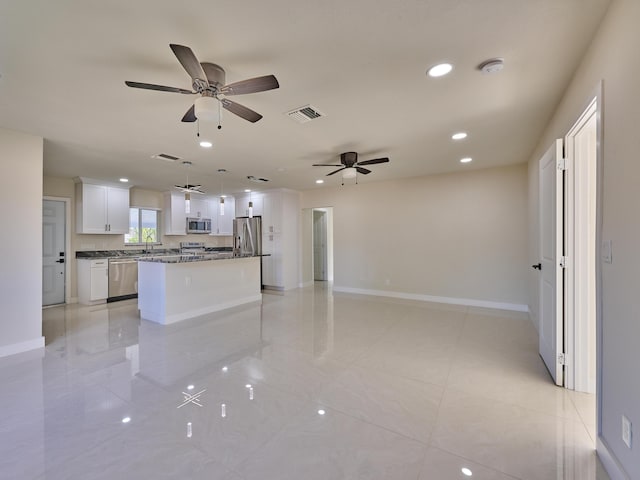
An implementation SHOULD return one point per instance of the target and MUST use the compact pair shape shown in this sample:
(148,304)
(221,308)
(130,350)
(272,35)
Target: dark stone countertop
(94,254)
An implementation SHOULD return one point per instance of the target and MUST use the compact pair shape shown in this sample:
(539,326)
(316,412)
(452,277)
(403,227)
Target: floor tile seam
(234,466)
(332,406)
(373,424)
(480,463)
(580,413)
(385,373)
(522,407)
(456,346)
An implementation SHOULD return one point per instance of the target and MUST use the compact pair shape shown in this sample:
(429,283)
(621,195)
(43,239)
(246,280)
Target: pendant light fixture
(187,195)
(221,212)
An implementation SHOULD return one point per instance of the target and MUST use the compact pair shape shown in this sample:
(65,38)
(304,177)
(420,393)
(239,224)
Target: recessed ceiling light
(126,419)
(459,136)
(191,387)
(321,412)
(206,144)
(320,181)
(466,160)
(225,369)
(439,70)
(246,190)
(466,472)
(124,180)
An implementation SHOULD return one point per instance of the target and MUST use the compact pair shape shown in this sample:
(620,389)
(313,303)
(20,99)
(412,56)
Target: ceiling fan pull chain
(219,115)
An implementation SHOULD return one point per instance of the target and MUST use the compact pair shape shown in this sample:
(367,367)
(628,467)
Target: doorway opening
(317,264)
(55,248)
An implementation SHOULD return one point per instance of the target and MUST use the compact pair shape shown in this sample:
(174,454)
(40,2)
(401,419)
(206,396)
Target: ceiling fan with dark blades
(208,81)
(350,160)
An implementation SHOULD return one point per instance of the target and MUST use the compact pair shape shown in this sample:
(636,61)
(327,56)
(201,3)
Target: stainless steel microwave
(198,225)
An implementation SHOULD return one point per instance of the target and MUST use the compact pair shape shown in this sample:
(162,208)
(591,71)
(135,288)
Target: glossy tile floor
(308,385)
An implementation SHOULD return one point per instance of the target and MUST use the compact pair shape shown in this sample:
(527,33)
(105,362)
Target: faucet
(146,242)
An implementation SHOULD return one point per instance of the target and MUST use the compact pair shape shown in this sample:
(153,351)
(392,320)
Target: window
(143,226)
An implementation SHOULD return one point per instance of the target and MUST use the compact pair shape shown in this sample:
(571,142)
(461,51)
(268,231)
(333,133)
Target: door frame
(67,243)
(321,212)
(579,327)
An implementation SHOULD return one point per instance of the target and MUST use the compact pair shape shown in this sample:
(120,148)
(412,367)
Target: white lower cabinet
(93,280)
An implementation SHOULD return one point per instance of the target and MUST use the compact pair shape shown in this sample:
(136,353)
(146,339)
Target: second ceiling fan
(208,81)
(350,160)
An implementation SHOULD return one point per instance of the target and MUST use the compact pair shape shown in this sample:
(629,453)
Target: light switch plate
(607,255)
(626,431)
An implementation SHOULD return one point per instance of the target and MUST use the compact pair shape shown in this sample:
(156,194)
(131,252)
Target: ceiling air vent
(166,156)
(257,179)
(305,114)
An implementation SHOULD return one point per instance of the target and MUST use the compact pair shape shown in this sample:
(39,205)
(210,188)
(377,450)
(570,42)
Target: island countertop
(193,258)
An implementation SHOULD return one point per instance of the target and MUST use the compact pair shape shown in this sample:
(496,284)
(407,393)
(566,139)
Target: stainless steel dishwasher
(123,278)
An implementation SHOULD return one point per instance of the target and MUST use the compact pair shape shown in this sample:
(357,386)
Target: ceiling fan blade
(161,88)
(189,62)
(241,110)
(190,116)
(336,171)
(252,85)
(363,171)
(325,165)
(374,161)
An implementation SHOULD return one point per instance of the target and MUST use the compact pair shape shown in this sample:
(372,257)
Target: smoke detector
(493,65)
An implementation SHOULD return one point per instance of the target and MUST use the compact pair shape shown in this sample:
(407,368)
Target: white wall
(21,220)
(613,59)
(458,236)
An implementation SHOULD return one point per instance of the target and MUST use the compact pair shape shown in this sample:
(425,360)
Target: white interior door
(53,252)
(551,323)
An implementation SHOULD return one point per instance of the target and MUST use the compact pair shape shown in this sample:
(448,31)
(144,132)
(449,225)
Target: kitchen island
(176,287)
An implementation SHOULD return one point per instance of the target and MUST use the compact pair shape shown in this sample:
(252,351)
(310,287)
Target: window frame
(158,212)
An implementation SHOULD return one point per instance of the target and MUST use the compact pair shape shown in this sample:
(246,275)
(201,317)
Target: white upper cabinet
(101,208)
(199,207)
(222,224)
(242,204)
(175,219)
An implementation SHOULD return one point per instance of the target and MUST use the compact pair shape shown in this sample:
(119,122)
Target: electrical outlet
(627,434)
(187,281)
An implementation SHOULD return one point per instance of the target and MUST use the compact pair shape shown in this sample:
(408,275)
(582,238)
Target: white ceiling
(361,62)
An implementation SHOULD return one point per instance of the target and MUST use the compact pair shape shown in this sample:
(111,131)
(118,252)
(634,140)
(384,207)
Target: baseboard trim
(469,302)
(306,284)
(610,462)
(21,347)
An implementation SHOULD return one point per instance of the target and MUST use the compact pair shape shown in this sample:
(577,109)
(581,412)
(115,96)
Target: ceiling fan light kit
(206,109)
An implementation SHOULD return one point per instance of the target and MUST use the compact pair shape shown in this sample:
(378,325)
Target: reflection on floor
(309,385)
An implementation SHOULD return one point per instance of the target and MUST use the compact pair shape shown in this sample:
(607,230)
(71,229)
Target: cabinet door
(199,207)
(175,220)
(267,261)
(242,204)
(94,208)
(99,283)
(117,210)
(222,224)
(272,212)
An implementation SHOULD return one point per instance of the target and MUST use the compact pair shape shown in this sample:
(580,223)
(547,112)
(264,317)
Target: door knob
(60,261)
(537,267)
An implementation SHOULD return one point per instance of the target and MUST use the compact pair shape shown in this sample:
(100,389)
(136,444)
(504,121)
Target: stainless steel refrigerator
(247,236)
